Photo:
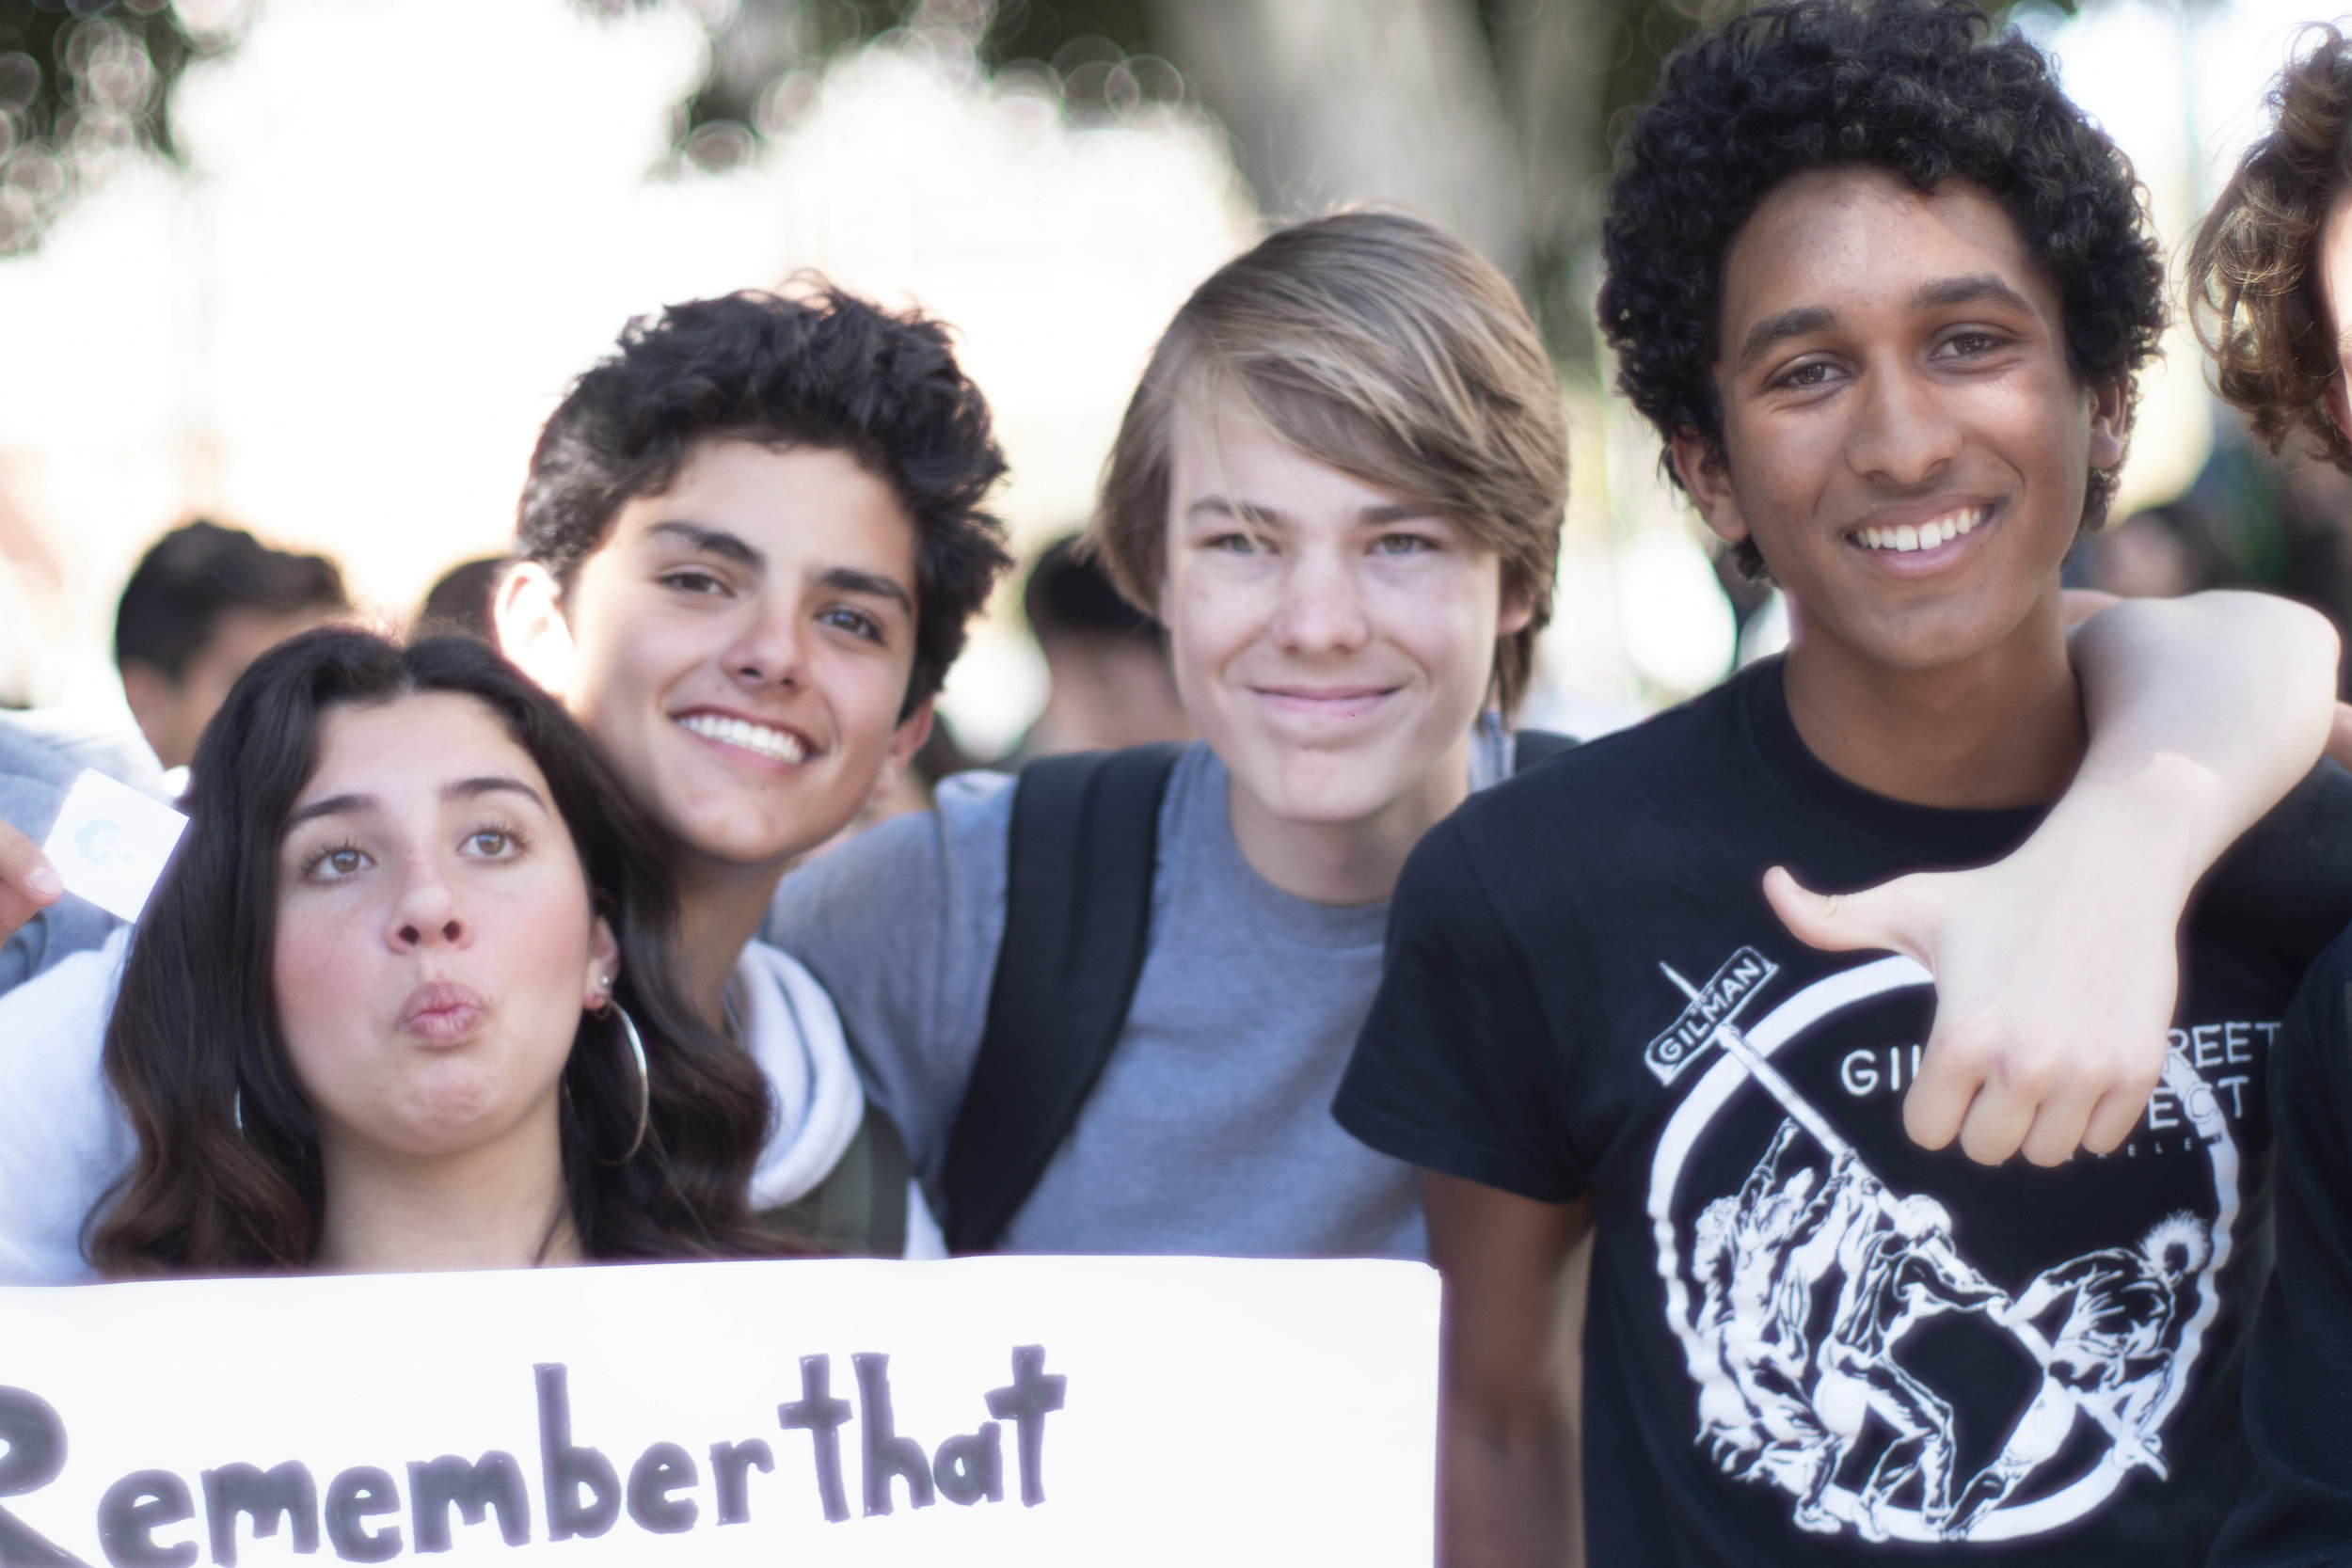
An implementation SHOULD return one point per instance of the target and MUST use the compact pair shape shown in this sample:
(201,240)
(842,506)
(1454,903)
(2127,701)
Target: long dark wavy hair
(196,1045)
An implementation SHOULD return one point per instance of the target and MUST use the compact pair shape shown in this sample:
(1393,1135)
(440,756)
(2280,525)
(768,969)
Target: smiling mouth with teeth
(1926,535)
(741,733)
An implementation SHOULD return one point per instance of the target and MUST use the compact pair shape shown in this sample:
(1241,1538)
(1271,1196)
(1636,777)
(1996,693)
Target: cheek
(1215,615)
(320,980)
(1446,620)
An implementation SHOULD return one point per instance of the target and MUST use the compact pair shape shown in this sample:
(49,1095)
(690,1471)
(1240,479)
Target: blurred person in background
(1110,1001)
(201,605)
(1110,683)
(2271,281)
(458,603)
(747,549)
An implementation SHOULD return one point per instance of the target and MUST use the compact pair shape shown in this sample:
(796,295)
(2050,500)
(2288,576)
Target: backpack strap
(1529,747)
(1085,842)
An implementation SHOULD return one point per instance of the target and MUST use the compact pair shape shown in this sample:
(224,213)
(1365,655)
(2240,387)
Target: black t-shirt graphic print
(1809,1339)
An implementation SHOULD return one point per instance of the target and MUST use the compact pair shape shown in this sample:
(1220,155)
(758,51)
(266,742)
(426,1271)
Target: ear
(604,965)
(2339,403)
(1699,464)
(527,613)
(2110,423)
(907,740)
(1519,609)
(152,695)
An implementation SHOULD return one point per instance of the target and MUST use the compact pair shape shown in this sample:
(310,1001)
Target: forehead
(1861,242)
(792,504)
(413,743)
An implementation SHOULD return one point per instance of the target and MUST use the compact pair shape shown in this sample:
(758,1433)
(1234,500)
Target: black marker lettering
(887,1454)
(356,1494)
(661,1470)
(282,1492)
(36,1440)
(731,1464)
(494,1481)
(822,1415)
(564,1469)
(972,1467)
(1025,1402)
(133,1510)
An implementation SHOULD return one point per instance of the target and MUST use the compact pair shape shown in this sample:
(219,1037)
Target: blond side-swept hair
(1379,345)
(2254,273)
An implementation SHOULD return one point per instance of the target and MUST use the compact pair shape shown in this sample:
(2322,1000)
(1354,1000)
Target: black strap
(1084,837)
(1529,747)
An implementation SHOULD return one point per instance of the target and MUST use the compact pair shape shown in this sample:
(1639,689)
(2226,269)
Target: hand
(2054,984)
(28,883)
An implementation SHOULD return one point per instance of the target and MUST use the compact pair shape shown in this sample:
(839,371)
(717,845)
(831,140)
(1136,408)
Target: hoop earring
(236,1110)
(644,1082)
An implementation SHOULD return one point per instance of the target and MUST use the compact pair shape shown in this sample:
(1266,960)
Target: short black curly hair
(1927,88)
(819,368)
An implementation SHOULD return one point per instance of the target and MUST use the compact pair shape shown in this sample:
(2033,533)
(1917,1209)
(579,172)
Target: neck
(499,1207)
(2002,728)
(1352,863)
(721,908)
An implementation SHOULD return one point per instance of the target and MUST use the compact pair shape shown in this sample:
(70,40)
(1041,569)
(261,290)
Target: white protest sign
(1018,1410)
(110,842)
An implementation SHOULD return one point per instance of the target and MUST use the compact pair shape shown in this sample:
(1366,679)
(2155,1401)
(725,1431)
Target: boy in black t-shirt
(1884,292)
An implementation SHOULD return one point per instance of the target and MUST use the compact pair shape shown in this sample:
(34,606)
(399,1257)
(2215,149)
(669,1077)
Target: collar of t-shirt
(1933,835)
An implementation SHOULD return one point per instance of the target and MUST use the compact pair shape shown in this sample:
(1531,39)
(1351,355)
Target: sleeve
(1454,1071)
(63,1140)
(32,783)
(2298,1374)
(901,925)
(2286,885)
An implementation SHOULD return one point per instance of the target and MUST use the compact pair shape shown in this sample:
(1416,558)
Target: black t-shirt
(1809,1339)
(2298,1373)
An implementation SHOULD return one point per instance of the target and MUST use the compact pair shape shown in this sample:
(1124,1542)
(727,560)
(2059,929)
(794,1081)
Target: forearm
(1506,1506)
(2203,713)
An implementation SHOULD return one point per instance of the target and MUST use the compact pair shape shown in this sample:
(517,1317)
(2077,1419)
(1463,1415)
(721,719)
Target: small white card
(111,843)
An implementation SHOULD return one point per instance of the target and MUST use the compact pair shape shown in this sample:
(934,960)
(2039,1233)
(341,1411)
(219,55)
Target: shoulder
(2286,883)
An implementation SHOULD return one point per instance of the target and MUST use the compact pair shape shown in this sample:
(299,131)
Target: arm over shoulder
(1456,1070)
(901,927)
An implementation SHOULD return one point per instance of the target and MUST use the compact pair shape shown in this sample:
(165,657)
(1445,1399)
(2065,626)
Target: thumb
(1842,922)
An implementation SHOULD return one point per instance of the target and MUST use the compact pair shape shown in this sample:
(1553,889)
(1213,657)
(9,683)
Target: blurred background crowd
(315,270)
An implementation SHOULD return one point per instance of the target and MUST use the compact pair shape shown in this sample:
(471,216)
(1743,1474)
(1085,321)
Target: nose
(1323,603)
(427,915)
(769,648)
(1902,436)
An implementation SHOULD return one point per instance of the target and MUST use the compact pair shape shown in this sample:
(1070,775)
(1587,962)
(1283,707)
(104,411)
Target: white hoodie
(64,1140)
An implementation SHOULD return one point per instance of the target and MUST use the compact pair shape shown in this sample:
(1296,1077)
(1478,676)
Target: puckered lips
(443,1012)
(1922,538)
(757,739)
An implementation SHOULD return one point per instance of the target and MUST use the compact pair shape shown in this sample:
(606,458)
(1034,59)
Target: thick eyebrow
(1970,289)
(1788,323)
(849,579)
(714,541)
(463,790)
(491,784)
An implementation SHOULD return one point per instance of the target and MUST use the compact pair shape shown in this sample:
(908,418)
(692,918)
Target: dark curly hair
(227,1177)
(1926,88)
(819,368)
(2253,274)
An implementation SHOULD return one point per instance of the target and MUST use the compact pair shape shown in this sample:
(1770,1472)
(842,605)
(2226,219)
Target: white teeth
(748,736)
(1924,536)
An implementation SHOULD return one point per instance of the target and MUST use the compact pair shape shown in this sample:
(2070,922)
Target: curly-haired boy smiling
(1883,290)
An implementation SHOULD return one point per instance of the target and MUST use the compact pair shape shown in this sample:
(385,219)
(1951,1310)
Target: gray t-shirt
(1210,1131)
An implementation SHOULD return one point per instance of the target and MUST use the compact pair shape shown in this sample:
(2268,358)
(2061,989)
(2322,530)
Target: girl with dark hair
(406,999)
